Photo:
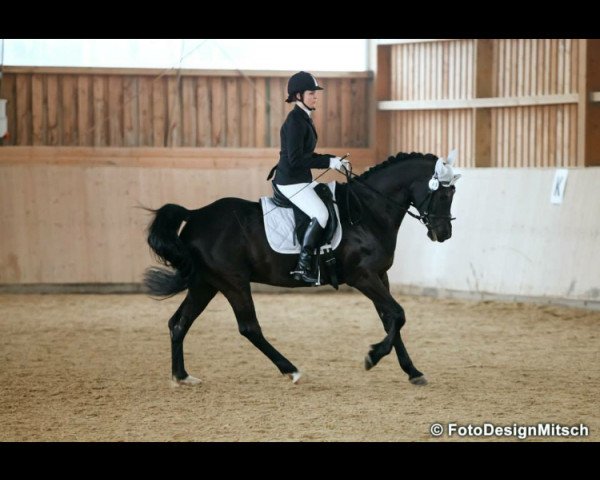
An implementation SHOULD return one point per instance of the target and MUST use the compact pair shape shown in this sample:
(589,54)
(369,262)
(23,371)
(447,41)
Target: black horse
(223,247)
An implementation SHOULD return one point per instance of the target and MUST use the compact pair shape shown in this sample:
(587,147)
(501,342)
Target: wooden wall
(71,214)
(537,135)
(191,108)
(502,102)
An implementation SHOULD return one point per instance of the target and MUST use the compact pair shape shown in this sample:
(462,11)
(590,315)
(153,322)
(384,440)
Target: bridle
(424,216)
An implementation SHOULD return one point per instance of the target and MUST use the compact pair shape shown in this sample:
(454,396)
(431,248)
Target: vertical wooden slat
(260,112)
(23,107)
(553,66)
(189,115)
(233,111)
(451,70)
(484,72)
(394,71)
(463,71)
(203,113)
(433,74)
(217,92)
(590,114)
(567,65)
(499,69)
(520,67)
(514,69)
(37,110)
(534,67)
(131,111)
(547,67)
(333,114)
(382,92)
(496,137)
(174,111)
(408,72)
(540,67)
(526,66)
(52,104)
(247,114)
(471,71)
(427,61)
(560,74)
(69,111)
(573,134)
(537,140)
(9,92)
(84,111)
(552,137)
(145,133)
(346,112)
(115,110)
(159,116)
(276,110)
(574,66)
(100,118)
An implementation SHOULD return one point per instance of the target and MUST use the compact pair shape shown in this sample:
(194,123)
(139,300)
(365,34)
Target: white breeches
(306,199)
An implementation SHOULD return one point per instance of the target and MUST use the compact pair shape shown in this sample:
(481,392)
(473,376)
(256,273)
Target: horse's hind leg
(198,297)
(240,298)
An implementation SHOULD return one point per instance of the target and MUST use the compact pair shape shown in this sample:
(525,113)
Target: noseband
(424,216)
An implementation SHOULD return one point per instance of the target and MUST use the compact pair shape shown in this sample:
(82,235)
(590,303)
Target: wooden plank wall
(433,71)
(130,108)
(70,214)
(535,135)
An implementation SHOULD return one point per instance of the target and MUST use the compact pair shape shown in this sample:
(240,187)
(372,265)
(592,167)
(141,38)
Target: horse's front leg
(415,377)
(393,318)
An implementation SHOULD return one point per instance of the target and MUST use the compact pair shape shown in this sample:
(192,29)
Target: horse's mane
(400,156)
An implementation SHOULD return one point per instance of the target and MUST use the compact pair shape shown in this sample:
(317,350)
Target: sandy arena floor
(97,367)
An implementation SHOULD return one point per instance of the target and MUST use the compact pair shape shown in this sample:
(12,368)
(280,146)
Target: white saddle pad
(280,224)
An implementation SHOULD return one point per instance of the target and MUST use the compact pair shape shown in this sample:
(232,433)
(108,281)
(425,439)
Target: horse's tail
(164,241)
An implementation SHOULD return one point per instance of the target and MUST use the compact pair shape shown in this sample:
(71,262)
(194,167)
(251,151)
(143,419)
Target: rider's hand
(339,164)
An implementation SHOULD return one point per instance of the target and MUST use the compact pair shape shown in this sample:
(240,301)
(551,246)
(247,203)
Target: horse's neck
(399,176)
(393,183)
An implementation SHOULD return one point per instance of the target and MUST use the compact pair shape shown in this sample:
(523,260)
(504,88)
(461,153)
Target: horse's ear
(454,179)
(452,157)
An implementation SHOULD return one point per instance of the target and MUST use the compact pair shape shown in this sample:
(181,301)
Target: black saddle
(302,219)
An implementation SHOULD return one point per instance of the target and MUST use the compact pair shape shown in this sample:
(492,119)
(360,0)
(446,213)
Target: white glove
(339,164)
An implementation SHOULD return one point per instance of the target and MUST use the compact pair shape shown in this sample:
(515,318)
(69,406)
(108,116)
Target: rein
(423,216)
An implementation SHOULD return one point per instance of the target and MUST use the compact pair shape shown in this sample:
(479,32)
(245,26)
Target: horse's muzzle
(441,233)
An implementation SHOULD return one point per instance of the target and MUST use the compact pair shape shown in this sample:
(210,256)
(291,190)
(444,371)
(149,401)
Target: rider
(297,157)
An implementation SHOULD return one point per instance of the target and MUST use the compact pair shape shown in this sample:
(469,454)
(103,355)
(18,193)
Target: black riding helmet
(300,82)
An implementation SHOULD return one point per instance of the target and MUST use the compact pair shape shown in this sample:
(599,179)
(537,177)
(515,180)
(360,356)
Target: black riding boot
(312,236)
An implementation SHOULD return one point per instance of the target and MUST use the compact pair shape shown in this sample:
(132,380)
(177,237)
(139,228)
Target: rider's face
(310,98)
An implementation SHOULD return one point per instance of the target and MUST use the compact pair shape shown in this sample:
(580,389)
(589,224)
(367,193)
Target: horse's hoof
(418,380)
(368,362)
(296,377)
(188,381)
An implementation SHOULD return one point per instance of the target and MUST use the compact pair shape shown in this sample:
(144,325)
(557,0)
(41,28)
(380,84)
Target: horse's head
(433,196)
